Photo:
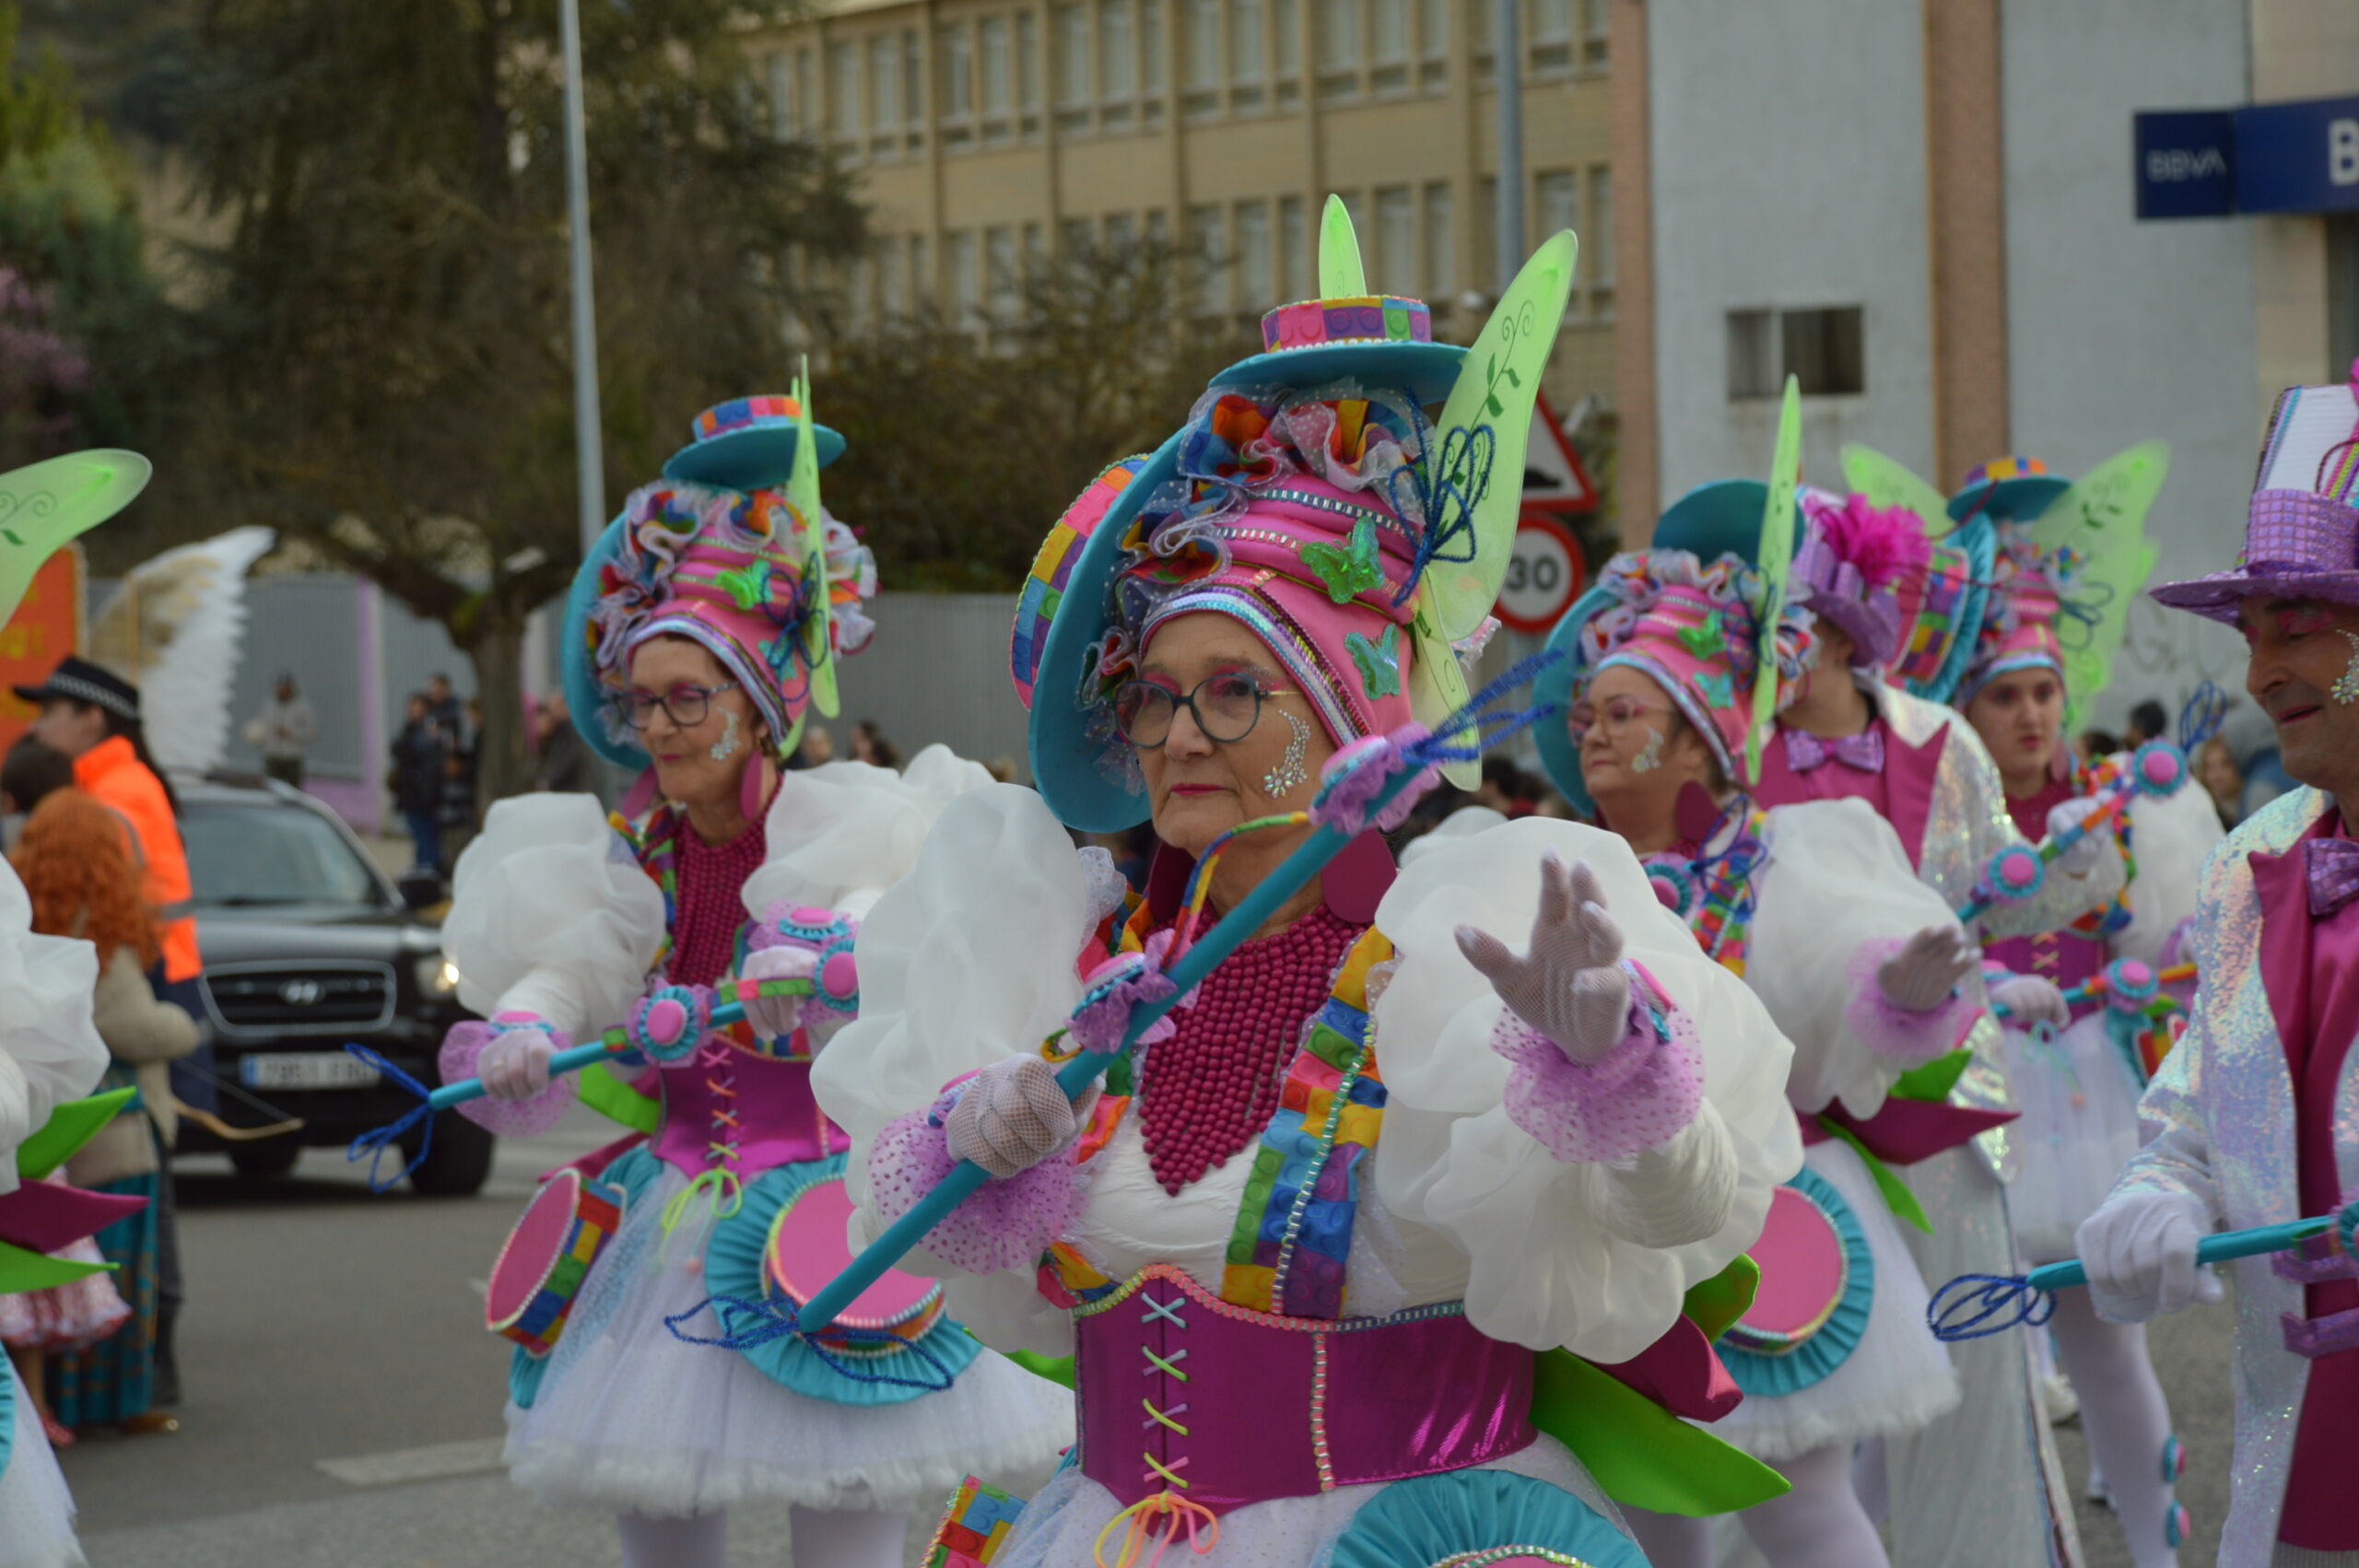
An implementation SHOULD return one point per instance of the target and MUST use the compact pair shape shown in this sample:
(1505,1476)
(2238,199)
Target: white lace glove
(2031,1000)
(515,1066)
(1013,1115)
(775,1017)
(2086,856)
(1571,985)
(1924,974)
(2139,1249)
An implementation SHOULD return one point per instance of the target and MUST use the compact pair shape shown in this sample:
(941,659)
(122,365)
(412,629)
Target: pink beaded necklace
(1208,1091)
(708,910)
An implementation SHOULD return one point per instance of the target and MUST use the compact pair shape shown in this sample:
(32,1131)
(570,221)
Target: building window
(778,74)
(1253,279)
(806,91)
(997,77)
(913,85)
(1441,245)
(1396,241)
(1199,50)
(1248,53)
(920,280)
(1122,231)
(1073,234)
(1001,277)
(1551,34)
(1294,249)
(1594,23)
(1285,48)
(1151,57)
(955,61)
(892,280)
(1208,256)
(960,262)
(1823,348)
(1028,64)
(1556,200)
(1597,244)
(1388,44)
(1433,43)
(1036,251)
(1073,58)
(843,92)
(1117,61)
(1158,227)
(884,95)
(1339,48)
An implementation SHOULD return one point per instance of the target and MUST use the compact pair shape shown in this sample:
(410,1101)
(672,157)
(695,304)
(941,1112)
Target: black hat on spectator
(79,680)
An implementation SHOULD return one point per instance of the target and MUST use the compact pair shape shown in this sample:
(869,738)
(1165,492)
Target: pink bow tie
(1863,751)
(2334,868)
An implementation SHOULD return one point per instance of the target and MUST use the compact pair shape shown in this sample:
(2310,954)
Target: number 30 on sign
(1545,574)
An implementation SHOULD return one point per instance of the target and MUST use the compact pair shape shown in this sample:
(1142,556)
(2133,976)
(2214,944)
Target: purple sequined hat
(2302,528)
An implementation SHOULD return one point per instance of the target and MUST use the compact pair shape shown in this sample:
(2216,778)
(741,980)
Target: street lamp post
(589,461)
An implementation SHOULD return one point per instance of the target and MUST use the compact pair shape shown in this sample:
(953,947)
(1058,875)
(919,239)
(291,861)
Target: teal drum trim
(1812,1359)
(1468,1517)
(856,1376)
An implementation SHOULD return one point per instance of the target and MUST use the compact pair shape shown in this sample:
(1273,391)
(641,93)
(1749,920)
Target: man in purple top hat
(2254,1118)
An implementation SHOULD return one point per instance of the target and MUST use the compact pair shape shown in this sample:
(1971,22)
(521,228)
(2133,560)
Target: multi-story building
(985,132)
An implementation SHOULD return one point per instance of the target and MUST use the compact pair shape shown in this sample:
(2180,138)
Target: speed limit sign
(1545,574)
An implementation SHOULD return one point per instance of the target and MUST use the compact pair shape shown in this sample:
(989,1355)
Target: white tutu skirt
(1895,1381)
(628,1418)
(1061,1525)
(36,1511)
(2079,1127)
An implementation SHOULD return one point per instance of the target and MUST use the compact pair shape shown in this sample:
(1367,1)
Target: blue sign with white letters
(2298,156)
(2186,162)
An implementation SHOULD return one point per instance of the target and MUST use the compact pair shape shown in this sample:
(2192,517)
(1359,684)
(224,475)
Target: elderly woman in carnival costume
(1896,608)
(706,622)
(49,1050)
(2078,1064)
(1384,1211)
(2253,1119)
(1816,906)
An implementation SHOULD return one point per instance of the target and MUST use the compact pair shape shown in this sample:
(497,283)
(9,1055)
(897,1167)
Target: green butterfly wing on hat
(803,492)
(1775,555)
(2101,522)
(1495,392)
(45,507)
(1887,481)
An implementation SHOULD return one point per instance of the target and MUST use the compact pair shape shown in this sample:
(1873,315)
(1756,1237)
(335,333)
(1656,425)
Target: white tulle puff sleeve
(50,1052)
(2170,837)
(1836,898)
(1547,1265)
(838,835)
(550,913)
(967,961)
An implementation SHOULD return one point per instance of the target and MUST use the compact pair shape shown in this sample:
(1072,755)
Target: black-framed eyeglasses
(684,704)
(1225,708)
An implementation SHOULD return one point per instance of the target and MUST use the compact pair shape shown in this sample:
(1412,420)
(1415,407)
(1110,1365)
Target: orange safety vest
(112,773)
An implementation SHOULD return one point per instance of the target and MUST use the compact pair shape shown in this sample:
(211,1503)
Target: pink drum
(1805,1269)
(547,1256)
(807,1249)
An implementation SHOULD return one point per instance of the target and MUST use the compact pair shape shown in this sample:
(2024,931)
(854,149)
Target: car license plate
(307,1069)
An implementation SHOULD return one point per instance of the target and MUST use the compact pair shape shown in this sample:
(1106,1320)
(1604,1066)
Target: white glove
(1924,974)
(1013,1115)
(2086,856)
(2031,1000)
(515,1066)
(778,1017)
(2139,1249)
(1571,986)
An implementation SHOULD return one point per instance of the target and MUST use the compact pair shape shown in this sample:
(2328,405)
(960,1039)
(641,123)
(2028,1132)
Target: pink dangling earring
(753,788)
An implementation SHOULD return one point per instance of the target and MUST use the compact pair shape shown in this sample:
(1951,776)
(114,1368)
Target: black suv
(308,944)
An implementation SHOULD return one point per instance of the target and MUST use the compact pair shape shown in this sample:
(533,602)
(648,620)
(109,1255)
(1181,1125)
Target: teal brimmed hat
(1309,498)
(2007,489)
(747,444)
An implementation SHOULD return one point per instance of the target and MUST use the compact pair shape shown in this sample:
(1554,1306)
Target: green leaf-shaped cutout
(1641,1453)
(1340,275)
(1775,553)
(69,1127)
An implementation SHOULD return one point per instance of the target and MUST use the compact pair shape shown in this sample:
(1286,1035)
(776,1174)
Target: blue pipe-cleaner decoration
(777,1321)
(376,1139)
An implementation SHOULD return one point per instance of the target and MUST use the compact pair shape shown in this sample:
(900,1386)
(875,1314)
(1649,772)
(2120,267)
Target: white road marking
(433,1462)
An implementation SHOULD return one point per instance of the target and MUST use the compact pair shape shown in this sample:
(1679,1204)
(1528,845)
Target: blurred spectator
(415,779)
(2265,779)
(564,767)
(1505,788)
(92,714)
(2216,770)
(819,747)
(2147,723)
(869,746)
(2095,745)
(32,774)
(456,819)
(283,730)
(81,883)
(442,706)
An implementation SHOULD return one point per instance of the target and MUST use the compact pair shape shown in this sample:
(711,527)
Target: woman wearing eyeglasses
(705,624)
(1815,906)
(1350,1251)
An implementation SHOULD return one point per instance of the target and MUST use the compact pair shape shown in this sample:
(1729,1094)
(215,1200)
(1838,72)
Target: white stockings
(699,1542)
(2128,1422)
(822,1539)
(1819,1524)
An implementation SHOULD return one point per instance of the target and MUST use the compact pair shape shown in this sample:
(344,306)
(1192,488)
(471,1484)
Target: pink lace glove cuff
(1893,1032)
(1634,1097)
(1003,1225)
(461,1056)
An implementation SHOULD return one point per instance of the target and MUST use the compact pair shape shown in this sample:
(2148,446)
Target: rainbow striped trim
(1293,1236)
(1934,630)
(1044,585)
(1999,468)
(744,414)
(536,1326)
(1723,917)
(1367,318)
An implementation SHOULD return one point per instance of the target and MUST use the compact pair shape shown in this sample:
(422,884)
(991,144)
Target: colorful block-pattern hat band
(1044,585)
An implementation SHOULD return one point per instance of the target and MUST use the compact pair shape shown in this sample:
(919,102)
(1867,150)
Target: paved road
(343,1400)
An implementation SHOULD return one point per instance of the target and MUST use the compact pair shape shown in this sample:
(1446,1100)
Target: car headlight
(438,976)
